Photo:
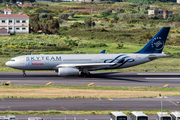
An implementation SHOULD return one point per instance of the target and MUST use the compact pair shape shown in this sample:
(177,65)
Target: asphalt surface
(134,79)
(169,103)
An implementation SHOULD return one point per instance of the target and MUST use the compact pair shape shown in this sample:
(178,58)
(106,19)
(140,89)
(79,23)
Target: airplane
(75,64)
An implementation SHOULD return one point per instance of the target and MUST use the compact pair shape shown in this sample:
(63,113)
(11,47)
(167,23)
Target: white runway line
(158,73)
(165,78)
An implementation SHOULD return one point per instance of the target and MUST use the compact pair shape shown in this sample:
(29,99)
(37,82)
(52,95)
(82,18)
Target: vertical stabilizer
(156,44)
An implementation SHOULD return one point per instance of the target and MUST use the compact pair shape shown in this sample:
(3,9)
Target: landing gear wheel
(83,74)
(24,74)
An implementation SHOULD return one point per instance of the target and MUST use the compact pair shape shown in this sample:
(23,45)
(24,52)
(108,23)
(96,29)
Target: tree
(36,27)
(49,17)
(88,22)
(11,1)
(63,16)
(3,1)
(44,27)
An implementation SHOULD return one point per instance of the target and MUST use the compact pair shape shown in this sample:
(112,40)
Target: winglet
(102,52)
(156,44)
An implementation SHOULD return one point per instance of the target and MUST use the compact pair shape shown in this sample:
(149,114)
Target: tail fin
(102,52)
(156,44)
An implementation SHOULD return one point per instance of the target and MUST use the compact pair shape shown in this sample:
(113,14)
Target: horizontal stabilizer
(152,57)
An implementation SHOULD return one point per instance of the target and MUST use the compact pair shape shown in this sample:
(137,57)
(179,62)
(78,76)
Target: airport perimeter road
(74,117)
(138,79)
(170,103)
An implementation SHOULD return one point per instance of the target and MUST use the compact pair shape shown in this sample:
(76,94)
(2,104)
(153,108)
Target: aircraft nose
(7,63)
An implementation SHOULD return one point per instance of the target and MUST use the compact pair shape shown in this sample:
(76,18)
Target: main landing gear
(24,74)
(85,74)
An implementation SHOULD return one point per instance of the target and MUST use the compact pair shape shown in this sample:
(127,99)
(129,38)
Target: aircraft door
(22,60)
(46,61)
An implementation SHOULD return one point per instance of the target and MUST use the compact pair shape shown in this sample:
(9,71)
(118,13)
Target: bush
(120,45)
(77,25)
(126,16)
(43,15)
(106,12)
(144,7)
(100,30)
(88,22)
(63,16)
(111,25)
(119,10)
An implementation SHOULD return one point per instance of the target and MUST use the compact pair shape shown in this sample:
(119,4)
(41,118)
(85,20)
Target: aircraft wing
(87,65)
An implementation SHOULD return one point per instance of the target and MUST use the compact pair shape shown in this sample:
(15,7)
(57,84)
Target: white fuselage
(50,62)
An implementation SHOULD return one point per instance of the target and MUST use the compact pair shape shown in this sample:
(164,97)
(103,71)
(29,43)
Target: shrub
(43,15)
(125,16)
(120,45)
(88,22)
(77,25)
(111,25)
(106,12)
(63,16)
(119,10)
(100,30)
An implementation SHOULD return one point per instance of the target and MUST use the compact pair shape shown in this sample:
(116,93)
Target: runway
(64,104)
(130,79)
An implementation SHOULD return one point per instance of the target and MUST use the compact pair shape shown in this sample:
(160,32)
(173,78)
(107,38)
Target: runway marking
(110,99)
(8,82)
(165,78)
(166,85)
(173,103)
(2,99)
(90,84)
(53,99)
(48,83)
(63,108)
(158,73)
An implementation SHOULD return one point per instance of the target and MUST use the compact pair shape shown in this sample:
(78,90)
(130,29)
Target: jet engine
(67,71)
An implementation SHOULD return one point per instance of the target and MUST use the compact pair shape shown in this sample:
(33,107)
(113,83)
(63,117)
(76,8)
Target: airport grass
(71,91)
(85,112)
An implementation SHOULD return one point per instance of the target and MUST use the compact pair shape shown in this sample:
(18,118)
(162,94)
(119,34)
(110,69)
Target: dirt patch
(55,92)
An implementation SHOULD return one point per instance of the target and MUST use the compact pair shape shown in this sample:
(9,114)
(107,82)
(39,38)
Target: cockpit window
(12,60)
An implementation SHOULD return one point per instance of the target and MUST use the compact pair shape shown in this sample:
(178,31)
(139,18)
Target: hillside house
(14,23)
(158,12)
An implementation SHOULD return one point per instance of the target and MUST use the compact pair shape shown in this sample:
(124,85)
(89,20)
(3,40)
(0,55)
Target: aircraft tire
(24,75)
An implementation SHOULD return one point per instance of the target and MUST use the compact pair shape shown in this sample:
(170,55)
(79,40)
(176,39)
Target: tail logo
(157,43)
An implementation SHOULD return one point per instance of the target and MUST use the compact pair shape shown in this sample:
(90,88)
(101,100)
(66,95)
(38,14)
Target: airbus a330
(75,64)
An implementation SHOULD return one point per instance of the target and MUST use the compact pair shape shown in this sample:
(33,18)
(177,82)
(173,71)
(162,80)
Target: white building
(14,23)
(158,12)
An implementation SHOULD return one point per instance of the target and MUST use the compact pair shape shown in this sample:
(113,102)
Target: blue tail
(156,44)
(102,52)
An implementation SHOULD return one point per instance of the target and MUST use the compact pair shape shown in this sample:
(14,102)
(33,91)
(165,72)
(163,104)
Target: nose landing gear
(24,74)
